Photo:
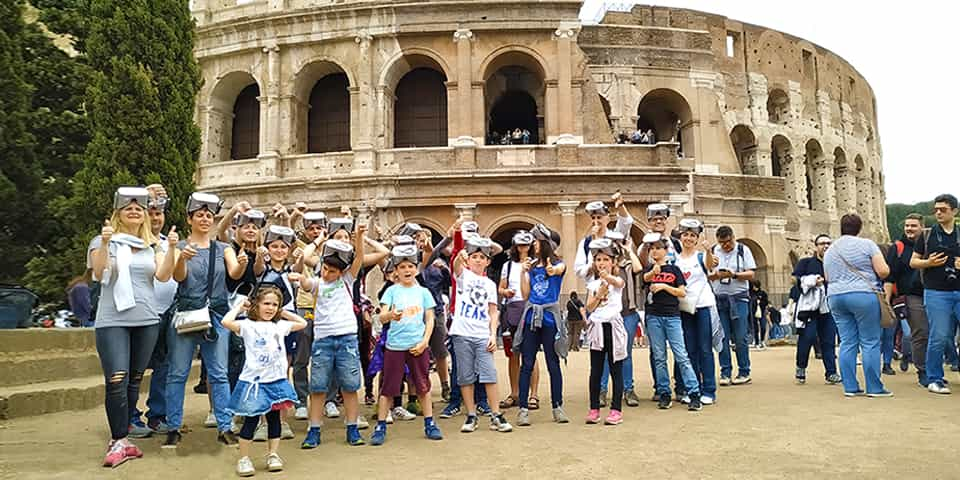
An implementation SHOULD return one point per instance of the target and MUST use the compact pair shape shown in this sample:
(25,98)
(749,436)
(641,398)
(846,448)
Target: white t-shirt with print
(471,315)
(610,308)
(513,283)
(698,285)
(265,354)
(333,314)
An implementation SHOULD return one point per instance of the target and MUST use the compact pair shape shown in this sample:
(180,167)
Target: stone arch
(322,110)
(397,68)
(233,117)
(744,144)
(846,183)
(760,257)
(420,109)
(514,93)
(819,179)
(778,107)
(781,156)
(668,114)
(512,218)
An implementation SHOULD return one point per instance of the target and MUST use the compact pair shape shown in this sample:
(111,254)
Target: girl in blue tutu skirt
(263,388)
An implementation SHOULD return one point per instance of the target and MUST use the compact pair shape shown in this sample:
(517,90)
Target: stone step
(22,340)
(79,393)
(39,366)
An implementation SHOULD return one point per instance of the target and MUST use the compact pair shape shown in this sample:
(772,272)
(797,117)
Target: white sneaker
(286,433)
(937,387)
(260,434)
(707,400)
(362,423)
(685,400)
(245,467)
(211,420)
(500,424)
(274,462)
(402,414)
(330,410)
(302,413)
(389,418)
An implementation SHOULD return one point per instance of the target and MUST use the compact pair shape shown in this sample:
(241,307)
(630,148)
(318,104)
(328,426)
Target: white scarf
(123,288)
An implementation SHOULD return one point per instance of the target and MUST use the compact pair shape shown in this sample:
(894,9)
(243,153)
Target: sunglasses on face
(941,209)
(823,244)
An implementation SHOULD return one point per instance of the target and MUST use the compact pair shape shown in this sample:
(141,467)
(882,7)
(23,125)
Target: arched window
(246,124)
(328,124)
(420,112)
(668,114)
(514,95)
(515,110)
(778,107)
(745,147)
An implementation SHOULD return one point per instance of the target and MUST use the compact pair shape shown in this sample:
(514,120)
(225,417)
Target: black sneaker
(665,402)
(172,440)
(888,370)
(695,404)
(227,438)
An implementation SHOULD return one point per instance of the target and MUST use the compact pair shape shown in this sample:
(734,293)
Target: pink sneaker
(132,450)
(593,416)
(615,418)
(116,455)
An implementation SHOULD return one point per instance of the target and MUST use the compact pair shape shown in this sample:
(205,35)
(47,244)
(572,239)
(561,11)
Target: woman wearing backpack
(695,261)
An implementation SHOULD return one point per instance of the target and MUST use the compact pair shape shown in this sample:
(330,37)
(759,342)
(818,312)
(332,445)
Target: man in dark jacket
(904,289)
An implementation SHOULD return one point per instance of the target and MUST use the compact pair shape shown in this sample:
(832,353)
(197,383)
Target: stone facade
(386,107)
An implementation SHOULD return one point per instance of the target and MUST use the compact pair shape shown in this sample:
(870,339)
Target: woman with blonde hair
(126,264)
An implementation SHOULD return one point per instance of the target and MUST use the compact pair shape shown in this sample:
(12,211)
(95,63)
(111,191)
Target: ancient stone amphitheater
(388,107)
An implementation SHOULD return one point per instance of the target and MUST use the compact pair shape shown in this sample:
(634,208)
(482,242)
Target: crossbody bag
(887,317)
(189,321)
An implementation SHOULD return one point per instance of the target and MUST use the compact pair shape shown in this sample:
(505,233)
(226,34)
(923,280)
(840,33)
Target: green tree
(139,103)
(20,176)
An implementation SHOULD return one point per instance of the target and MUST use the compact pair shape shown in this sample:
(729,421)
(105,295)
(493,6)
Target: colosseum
(395,108)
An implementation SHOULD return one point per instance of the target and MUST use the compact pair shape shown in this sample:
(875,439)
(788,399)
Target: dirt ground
(770,429)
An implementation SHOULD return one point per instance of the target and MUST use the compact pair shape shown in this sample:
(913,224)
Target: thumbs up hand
(172,237)
(106,233)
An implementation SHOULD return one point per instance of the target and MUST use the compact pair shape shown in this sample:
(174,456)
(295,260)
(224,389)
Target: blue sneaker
(312,439)
(432,432)
(138,429)
(353,436)
(483,409)
(379,436)
(451,411)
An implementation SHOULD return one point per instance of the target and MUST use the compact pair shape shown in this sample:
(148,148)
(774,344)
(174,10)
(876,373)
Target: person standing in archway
(513,305)
(731,282)
(814,313)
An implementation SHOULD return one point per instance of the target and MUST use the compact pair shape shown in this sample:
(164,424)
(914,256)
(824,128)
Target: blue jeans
(124,353)
(698,338)
(630,323)
(661,330)
(886,344)
(180,352)
(950,355)
(532,342)
(456,396)
(734,316)
(858,319)
(335,360)
(824,328)
(943,311)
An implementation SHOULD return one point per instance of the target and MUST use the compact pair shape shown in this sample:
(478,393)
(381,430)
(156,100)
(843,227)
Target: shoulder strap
(856,272)
(211,266)
(900,247)
(703,264)
(586,244)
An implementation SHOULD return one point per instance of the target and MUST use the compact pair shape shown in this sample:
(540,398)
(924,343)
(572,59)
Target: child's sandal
(508,402)
(533,403)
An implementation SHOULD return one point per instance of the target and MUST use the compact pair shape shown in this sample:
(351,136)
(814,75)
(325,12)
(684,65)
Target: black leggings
(250,425)
(596,371)
(759,329)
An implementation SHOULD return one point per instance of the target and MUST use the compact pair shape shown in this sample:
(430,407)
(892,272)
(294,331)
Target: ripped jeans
(124,354)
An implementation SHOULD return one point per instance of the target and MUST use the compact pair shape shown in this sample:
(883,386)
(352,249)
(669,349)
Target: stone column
(824,186)
(568,244)
(565,36)
(823,110)
(757,89)
(795,180)
(217,131)
(464,40)
(364,154)
(863,194)
(846,188)
(269,156)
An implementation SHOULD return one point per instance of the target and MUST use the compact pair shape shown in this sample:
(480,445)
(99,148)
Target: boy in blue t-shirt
(408,308)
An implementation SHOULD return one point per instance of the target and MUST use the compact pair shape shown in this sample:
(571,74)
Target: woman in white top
(695,260)
(513,305)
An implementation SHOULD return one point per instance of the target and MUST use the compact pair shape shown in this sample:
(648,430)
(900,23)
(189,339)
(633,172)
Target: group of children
(306,255)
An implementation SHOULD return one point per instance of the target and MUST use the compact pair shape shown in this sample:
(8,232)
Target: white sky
(907,53)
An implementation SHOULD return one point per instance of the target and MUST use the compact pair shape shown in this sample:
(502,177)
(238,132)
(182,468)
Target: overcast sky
(906,51)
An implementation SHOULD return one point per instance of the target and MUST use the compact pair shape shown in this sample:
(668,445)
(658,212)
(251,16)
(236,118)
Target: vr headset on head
(311,218)
(658,210)
(341,224)
(654,238)
(541,232)
(410,230)
(398,240)
(158,203)
(339,254)
(255,217)
(605,246)
(126,195)
(523,237)
(690,225)
(484,245)
(405,253)
(597,208)
(201,200)
(279,232)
